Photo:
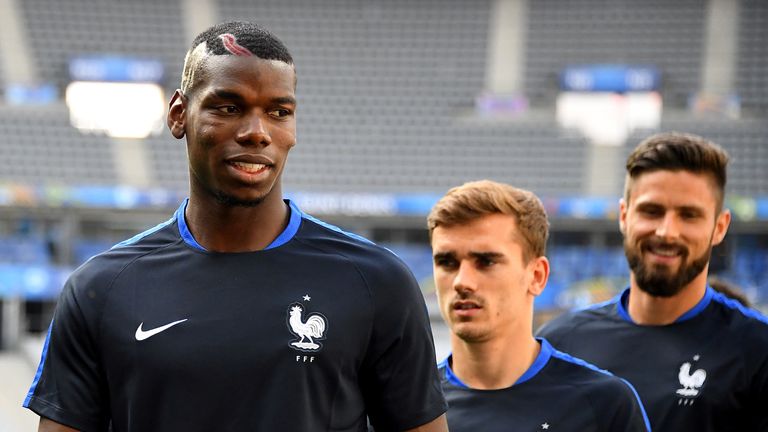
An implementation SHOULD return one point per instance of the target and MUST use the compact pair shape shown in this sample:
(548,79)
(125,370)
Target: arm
(437,425)
(759,396)
(399,377)
(630,414)
(69,387)
(47,425)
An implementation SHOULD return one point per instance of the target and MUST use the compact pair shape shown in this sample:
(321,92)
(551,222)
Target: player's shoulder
(617,400)
(102,268)
(600,314)
(740,312)
(747,322)
(598,383)
(581,372)
(364,253)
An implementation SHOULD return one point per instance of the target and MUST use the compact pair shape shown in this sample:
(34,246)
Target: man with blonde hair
(489,241)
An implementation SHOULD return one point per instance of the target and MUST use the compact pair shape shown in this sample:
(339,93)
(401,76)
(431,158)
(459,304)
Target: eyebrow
(689,208)
(284,100)
(234,96)
(226,94)
(486,255)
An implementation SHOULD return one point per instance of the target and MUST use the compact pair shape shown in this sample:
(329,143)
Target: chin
(231,200)
(469,334)
(245,196)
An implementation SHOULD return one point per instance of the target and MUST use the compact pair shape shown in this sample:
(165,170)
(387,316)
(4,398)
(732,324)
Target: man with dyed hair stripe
(240,313)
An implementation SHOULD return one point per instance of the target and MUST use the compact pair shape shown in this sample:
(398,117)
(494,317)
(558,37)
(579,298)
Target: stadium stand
(168,161)
(2,79)
(387,92)
(24,250)
(62,29)
(39,146)
(571,32)
(380,89)
(752,79)
(84,249)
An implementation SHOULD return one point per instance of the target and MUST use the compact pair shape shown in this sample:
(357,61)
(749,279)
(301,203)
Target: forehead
(674,189)
(248,73)
(487,232)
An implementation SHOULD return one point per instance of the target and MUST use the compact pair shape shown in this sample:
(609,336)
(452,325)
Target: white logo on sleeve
(308,331)
(691,382)
(142,334)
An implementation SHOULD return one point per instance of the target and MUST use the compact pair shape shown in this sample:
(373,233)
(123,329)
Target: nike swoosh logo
(141,334)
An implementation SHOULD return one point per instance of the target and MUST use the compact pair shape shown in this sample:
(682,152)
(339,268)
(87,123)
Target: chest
(684,378)
(209,319)
(520,410)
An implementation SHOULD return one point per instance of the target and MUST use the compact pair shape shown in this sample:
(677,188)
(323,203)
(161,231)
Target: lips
(463,309)
(250,165)
(465,305)
(251,168)
(665,252)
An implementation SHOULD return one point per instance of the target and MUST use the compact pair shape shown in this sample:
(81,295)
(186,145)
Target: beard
(660,281)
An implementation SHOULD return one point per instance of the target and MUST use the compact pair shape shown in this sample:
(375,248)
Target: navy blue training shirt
(708,371)
(317,332)
(556,393)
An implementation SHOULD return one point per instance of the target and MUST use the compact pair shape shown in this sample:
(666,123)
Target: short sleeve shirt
(557,393)
(708,371)
(318,332)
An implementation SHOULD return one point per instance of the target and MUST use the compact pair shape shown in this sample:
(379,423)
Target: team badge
(690,382)
(308,329)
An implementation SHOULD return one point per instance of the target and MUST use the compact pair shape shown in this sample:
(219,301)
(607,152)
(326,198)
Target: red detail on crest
(231,45)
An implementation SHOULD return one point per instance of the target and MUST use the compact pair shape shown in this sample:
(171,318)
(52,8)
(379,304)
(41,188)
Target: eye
(445,263)
(651,211)
(484,262)
(227,109)
(280,113)
(689,214)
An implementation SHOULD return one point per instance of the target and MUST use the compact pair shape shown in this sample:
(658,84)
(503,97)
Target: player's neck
(223,228)
(493,364)
(645,309)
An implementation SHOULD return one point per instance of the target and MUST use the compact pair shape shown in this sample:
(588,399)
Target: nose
(253,131)
(465,279)
(668,227)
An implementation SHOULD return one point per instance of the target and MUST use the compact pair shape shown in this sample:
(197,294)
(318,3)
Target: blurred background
(399,100)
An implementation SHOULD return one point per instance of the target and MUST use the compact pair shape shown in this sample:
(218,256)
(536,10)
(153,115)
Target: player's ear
(540,275)
(722,222)
(623,215)
(177,114)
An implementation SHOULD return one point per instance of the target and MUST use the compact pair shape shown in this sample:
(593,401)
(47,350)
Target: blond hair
(473,200)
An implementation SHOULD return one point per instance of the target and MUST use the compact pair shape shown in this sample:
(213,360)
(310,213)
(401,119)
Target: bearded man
(698,359)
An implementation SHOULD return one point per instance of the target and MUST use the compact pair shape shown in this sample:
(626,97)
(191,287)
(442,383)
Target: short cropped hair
(230,38)
(473,200)
(674,151)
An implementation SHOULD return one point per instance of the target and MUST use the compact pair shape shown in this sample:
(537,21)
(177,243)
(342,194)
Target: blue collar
(283,238)
(700,306)
(535,368)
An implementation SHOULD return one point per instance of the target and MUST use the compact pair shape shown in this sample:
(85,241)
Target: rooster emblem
(307,331)
(691,382)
